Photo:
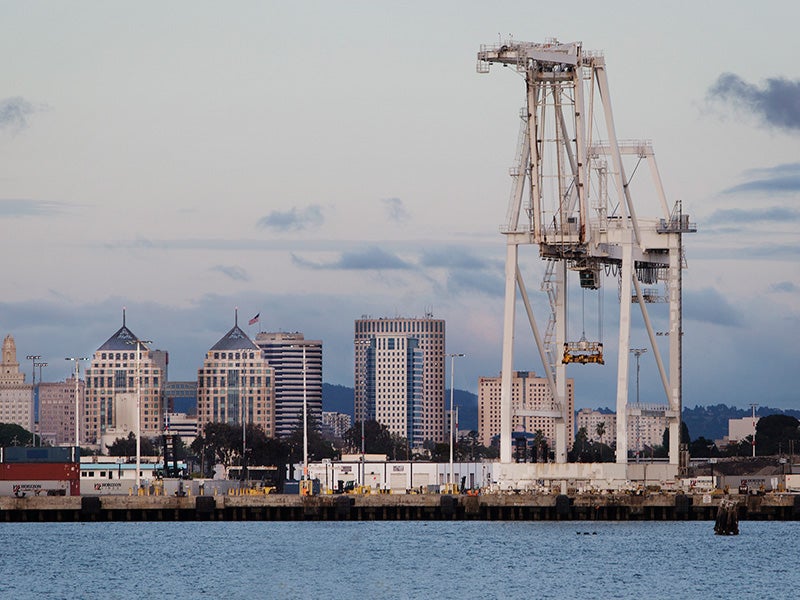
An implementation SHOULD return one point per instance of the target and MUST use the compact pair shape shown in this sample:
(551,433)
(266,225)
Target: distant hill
(711,422)
(339,398)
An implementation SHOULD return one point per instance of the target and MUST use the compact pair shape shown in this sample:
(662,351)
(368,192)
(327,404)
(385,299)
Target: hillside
(339,398)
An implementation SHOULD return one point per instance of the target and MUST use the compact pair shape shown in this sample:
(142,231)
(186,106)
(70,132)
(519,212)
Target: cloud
(14,113)
(776,103)
(396,210)
(466,281)
(709,306)
(778,179)
(293,220)
(452,257)
(784,287)
(773,214)
(14,208)
(235,273)
(368,259)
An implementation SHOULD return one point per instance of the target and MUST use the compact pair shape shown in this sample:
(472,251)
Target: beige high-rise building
(16,399)
(590,419)
(399,376)
(57,411)
(236,383)
(122,370)
(528,392)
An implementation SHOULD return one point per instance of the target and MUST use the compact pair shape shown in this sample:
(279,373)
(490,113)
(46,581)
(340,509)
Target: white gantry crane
(573,198)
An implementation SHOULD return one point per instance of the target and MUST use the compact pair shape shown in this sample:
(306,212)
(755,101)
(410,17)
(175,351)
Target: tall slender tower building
(16,402)
(236,384)
(399,375)
(298,374)
(121,369)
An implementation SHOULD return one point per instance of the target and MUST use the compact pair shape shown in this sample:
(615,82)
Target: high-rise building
(236,384)
(57,411)
(399,376)
(16,401)
(122,372)
(336,423)
(298,375)
(590,419)
(528,393)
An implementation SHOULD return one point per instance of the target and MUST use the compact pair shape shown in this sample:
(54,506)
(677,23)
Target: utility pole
(452,416)
(139,343)
(33,358)
(753,407)
(77,360)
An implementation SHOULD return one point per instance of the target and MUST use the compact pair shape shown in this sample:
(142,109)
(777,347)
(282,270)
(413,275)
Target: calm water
(360,560)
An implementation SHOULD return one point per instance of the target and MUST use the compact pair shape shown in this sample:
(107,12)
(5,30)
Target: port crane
(572,197)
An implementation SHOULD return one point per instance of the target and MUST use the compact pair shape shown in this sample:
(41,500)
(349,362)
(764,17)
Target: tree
(581,447)
(12,434)
(703,448)
(775,432)
(601,430)
(127,447)
(377,438)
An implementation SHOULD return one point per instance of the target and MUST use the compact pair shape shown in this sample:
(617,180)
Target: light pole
(37,420)
(138,343)
(754,406)
(637,352)
(452,413)
(33,358)
(305,419)
(77,360)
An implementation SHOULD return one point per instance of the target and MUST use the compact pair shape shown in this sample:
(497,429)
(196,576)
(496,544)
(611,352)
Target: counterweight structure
(572,197)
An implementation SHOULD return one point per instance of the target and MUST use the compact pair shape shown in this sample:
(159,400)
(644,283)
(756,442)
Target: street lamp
(637,352)
(77,360)
(37,420)
(33,358)
(452,413)
(138,343)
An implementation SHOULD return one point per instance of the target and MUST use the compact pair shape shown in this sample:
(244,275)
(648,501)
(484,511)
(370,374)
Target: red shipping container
(40,471)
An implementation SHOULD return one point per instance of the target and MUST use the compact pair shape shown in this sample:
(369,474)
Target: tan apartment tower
(399,375)
(528,392)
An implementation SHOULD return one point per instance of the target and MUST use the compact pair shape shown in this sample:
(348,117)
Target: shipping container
(22,488)
(39,471)
(46,454)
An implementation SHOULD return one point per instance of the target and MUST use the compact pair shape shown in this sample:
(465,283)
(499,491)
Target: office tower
(528,393)
(123,372)
(16,400)
(298,373)
(236,384)
(399,376)
(57,411)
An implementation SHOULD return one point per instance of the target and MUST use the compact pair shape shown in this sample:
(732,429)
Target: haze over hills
(710,422)
(339,398)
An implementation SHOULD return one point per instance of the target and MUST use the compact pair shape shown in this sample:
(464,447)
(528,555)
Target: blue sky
(314,162)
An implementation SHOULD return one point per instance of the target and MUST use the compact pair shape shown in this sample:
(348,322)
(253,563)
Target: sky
(313,162)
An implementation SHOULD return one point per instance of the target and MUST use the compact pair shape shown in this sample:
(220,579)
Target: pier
(406,507)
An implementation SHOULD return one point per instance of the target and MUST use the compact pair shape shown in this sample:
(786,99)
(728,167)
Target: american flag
(254,320)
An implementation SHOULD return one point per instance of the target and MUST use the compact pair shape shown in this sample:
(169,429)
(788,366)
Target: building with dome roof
(236,384)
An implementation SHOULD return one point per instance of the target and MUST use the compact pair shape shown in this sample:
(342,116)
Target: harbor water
(407,559)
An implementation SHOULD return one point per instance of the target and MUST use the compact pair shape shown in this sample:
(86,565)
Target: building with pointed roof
(123,369)
(236,384)
(16,401)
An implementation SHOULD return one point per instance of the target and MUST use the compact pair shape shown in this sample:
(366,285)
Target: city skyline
(182,160)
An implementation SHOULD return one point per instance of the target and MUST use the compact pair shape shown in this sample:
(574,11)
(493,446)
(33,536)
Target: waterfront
(570,559)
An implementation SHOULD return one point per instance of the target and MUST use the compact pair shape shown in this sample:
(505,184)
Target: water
(408,559)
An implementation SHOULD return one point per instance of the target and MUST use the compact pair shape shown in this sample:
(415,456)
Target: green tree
(774,434)
(127,447)
(12,434)
(581,447)
(377,438)
(600,430)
